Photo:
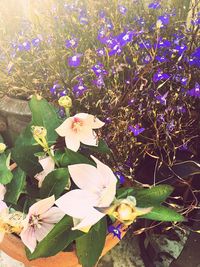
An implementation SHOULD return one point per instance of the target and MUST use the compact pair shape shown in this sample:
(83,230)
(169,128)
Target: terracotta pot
(14,247)
(14,116)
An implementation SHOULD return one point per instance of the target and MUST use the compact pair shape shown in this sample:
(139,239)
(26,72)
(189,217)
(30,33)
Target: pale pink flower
(2,191)
(48,166)
(79,128)
(39,221)
(97,191)
(3,209)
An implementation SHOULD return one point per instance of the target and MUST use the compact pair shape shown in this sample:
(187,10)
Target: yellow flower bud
(39,132)
(65,101)
(125,210)
(2,147)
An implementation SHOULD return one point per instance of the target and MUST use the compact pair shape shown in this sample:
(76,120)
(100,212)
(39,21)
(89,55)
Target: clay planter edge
(14,247)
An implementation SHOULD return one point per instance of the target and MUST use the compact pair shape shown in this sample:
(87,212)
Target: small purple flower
(99,69)
(99,82)
(159,75)
(83,19)
(170,126)
(162,98)
(195,91)
(196,20)
(115,50)
(136,130)
(161,118)
(145,44)
(101,52)
(164,19)
(161,58)
(125,37)
(108,120)
(146,59)
(122,9)
(79,88)
(115,230)
(131,102)
(184,147)
(154,5)
(71,43)
(75,60)
(102,14)
(163,43)
(36,42)
(54,88)
(120,177)
(180,48)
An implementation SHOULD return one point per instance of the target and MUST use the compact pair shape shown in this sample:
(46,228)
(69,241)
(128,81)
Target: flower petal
(53,215)
(86,177)
(63,129)
(47,163)
(72,142)
(77,203)
(92,218)
(42,206)
(2,191)
(94,122)
(43,231)
(28,238)
(88,137)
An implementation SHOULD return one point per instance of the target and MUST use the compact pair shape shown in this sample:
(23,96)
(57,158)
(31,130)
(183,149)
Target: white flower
(79,128)
(97,192)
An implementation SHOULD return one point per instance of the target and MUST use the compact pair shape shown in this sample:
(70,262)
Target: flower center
(124,212)
(35,221)
(77,125)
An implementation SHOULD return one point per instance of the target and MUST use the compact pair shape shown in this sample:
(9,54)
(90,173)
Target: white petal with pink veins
(42,206)
(72,142)
(53,215)
(28,238)
(65,127)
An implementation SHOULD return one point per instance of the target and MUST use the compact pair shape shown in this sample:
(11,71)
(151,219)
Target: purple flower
(146,59)
(131,102)
(115,50)
(83,19)
(36,42)
(145,44)
(122,9)
(180,48)
(71,43)
(120,177)
(164,19)
(125,38)
(75,60)
(161,59)
(163,43)
(99,82)
(196,20)
(99,69)
(136,130)
(102,14)
(195,58)
(79,88)
(184,147)
(162,98)
(154,5)
(115,230)
(108,120)
(159,75)
(195,91)
(54,88)
(101,52)
(170,126)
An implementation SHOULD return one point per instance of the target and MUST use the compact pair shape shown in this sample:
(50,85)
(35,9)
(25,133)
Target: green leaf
(125,192)
(70,157)
(102,147)
(43,114)
(55,183)
(1,139)
(5,173)
(153,196)
(161,213)
(58,239)
(89,247)
(186,169)
(15,187)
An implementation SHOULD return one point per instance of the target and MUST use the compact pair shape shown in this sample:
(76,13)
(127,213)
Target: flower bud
(39,132)
(65,101)
(2,147)
(125,210)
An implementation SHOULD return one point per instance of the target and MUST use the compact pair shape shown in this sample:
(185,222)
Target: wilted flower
(79,128)
(88,204)
(40,220)
(125,210)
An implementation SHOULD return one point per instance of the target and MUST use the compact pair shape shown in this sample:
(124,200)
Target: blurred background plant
(133,63)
